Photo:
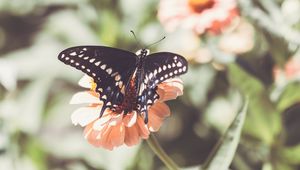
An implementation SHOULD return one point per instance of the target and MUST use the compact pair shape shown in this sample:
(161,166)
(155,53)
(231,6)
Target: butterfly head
(142,53)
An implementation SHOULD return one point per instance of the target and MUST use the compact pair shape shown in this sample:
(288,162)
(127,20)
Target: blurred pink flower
(290,71)
(113,129)
(198,15)
(239,40)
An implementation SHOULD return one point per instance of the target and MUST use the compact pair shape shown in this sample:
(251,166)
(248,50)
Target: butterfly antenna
(137,41)
(155,42)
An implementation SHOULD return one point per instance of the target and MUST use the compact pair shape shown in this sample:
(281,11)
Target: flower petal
(105,140)
(93,137)
(84,97)
(87,130)
(101,122)
(142,128)
(85,81)
(85,115)
(117,135)
(132,136)
(130,119)
(154,122)
(116,119)
(157,113)
(170,89)
(160,109)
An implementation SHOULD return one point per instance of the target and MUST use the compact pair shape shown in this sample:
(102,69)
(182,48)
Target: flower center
(201,5)
(93,85)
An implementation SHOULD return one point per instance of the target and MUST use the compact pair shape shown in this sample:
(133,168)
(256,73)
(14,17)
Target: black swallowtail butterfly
(125,81)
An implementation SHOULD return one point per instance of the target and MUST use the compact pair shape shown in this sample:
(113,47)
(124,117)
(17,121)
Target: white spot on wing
(109,70)
(120,84)
(179,64)
(150,76)
(103,67)
(159,70)
(73,54)
(149,101)
(92,60)
(97,63)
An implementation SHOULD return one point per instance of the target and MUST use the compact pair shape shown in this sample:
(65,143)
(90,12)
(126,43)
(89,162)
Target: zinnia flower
(198,15)
(113,129)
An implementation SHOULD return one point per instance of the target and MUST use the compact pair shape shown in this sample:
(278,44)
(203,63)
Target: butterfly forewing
(110,68)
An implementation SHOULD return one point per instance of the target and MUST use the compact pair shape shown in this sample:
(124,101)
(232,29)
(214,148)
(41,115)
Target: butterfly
(126,81)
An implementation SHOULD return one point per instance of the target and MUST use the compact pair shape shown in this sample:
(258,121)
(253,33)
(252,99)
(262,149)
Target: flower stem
(157,149)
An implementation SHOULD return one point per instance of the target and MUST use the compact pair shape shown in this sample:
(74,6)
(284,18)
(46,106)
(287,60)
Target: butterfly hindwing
(162,66)
(110,68)
(158,68)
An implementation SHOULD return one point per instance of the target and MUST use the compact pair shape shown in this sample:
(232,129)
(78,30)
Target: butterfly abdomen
(129,102)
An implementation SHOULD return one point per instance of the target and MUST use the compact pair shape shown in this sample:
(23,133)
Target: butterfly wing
(162,66)
(158,68)
(110,68)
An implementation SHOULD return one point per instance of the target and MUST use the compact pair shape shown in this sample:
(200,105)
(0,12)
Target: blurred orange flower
(198,15)
(113,129)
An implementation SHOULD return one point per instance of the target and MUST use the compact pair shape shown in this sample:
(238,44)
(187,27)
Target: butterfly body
(125,81)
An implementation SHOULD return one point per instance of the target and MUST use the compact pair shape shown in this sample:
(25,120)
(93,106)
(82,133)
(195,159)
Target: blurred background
(234,48)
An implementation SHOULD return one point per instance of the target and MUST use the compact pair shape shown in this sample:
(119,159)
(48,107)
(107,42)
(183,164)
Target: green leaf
(288,96)
(35,151)
(262,113)
(225,149)
(291,154)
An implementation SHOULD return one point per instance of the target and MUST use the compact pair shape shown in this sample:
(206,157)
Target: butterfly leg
(102,111)
(146,116)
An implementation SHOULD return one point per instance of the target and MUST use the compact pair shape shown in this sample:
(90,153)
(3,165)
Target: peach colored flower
(197,15)
(113,129)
